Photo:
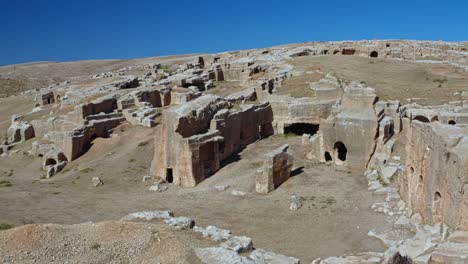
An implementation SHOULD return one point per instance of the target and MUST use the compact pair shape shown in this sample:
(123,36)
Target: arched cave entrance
(452,122)
(50,162)
(421,119)
(437,207)
(327,156)
(374,54)
(340,151)
(302,128)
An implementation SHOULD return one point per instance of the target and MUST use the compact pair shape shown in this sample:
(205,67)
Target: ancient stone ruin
(206,112)
(276,170)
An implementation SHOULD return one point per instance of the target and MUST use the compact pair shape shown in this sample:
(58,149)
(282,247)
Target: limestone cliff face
(434,184)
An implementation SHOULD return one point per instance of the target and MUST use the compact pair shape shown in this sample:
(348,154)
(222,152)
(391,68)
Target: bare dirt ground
(335,218)
(430,84)
(103,242)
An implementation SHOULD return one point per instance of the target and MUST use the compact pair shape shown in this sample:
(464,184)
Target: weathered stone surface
(450,252)
(459,236)
(195,137)
(219,255)
(221,187)
(215,233)
(434,182)
(296,202)
(148,215)
(238,193)
(97,182)
(130,82)
(276,170)
(240,244)
(20,131)
(261,256)
(180,222)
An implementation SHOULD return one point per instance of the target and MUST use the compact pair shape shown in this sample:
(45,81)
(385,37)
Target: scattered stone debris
(159,186)
(296,202)
(240,244)
(97,182)
(146,178)
(148,215)
(238,193)
(180,222)
(221,187)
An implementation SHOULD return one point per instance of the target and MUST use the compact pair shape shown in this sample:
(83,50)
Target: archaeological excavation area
(319,152)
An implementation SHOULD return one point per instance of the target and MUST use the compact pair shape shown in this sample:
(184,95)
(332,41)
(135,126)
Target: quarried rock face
(194,138)
(436,172)
(20,131)
(348,136)
(276,170)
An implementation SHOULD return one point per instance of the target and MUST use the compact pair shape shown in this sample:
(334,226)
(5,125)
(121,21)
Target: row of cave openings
(372,54)
(424,119)
(340,151)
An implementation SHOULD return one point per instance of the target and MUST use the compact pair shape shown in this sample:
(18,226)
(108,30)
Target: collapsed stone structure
(18,132)
(195,138)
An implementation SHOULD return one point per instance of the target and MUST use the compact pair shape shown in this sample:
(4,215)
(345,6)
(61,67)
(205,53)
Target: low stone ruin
(276,170)
(18,132)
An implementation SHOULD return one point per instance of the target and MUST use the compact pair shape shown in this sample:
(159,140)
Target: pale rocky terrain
(322,152)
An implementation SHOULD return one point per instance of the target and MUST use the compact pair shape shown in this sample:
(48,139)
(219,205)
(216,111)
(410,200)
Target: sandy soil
(103,242)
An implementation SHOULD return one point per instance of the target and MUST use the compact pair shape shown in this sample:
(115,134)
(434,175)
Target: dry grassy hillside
(392,79)
(22,77)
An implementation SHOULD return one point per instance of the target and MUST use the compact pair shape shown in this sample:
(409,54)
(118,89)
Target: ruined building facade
(195,138)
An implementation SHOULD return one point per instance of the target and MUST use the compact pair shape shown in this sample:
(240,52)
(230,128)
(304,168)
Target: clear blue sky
(52,30)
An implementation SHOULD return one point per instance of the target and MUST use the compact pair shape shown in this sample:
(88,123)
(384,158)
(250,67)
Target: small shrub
(440,81)
(331,200)
(143,143)
(167,68)
(95,246)
(131,160)
(4,226)
(5,183)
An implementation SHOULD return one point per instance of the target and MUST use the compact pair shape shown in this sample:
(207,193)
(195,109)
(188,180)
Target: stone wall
(434,183)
